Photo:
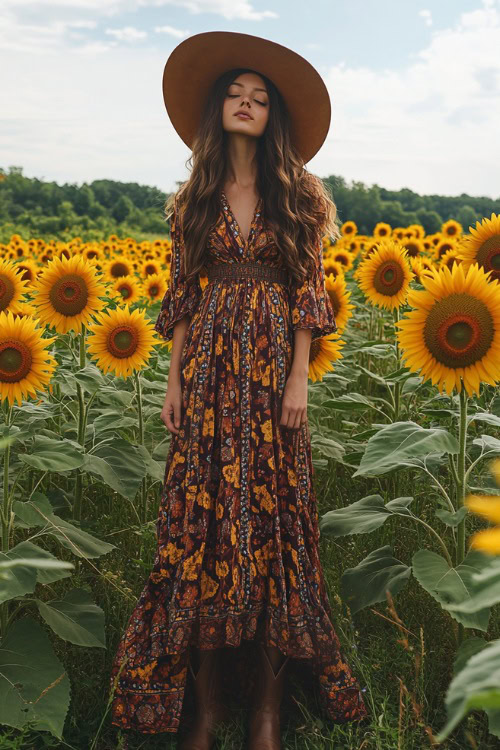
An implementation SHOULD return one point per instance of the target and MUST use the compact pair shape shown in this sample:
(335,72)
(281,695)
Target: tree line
(37,208)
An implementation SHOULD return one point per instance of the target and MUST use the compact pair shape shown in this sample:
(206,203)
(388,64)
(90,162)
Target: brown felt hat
(195,64)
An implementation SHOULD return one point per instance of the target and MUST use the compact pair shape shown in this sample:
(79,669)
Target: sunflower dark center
(444,248)
(69,295)
(15,361)
(119,269)
(150,269)
(6,292)
(335,302)
(459,330)
(125,292)
(489,256)
(123,341)
(412,249)
(389,278)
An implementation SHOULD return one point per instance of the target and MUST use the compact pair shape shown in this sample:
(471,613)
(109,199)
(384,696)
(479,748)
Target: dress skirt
(237,559)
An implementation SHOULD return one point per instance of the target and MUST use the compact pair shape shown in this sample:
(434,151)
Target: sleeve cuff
(309,312)
(173,308)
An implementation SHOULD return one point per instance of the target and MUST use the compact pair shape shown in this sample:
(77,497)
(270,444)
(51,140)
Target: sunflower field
(404,414)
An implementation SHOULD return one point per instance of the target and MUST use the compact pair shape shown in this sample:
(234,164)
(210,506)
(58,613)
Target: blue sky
(414,84)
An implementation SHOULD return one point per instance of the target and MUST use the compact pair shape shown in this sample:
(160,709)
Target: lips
(244,115)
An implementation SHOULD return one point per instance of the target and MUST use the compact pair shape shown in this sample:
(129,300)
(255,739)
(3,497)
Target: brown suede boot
(210,711)
(264,722)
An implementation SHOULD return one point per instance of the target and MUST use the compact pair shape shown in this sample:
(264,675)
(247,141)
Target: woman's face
(246,93)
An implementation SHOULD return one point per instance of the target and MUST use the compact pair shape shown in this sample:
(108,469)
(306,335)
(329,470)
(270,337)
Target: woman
(237,566)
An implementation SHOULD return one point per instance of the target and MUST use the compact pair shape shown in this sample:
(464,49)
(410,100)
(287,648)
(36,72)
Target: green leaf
(368,581)
(484,416)
(121,465)
(363,516)
(452,519)
(451,586)
(54,455)
(349,402)
(76,618)
(327,447)
(402,444)
(21,580)
(76,540)
(484,588)
(467,648)
(476,686)
(34,686)
(488,443)
(44,575)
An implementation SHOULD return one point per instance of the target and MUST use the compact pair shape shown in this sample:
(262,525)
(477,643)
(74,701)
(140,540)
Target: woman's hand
(171,412)
(294,403)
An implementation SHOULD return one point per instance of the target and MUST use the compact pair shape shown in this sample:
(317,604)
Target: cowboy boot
(210,711)
(264,722)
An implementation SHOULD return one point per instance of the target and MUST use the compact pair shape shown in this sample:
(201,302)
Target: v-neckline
(236,226)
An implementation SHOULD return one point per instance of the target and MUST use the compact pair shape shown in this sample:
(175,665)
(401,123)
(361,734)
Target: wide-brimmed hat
(195,64)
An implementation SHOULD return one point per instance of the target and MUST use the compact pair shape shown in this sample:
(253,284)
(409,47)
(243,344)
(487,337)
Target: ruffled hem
(149,698)
(307,311)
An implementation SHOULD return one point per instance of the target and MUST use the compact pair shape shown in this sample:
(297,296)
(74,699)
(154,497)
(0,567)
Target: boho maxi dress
(237,556)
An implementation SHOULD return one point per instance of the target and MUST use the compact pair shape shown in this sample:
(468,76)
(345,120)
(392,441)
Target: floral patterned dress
(237,556)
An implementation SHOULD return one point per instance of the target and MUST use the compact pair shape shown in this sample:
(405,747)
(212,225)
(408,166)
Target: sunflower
(116,267)
(419,268)
(122,340)
(451,257)
(482,246)
(12,286)
(488,506)
(323,352)
(339,296)
(348,229)
(385,275)
(25,364)
(382,229)
(154,287)
(67,293)
(344,257)
(149,267)
(414,247)
(127,289)
(451,228)
(333,267)
(443,246)
(28,269)
(453,335)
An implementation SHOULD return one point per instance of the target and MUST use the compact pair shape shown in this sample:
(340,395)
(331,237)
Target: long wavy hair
(299,209)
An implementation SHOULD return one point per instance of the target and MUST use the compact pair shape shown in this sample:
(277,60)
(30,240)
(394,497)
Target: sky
(414,87)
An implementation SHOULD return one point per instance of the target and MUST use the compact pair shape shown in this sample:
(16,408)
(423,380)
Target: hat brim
(195,64)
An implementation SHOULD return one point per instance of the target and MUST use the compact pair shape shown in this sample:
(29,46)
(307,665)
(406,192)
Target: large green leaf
(363,516)
(484,416)
(476,686)
(44,575)
(120,464)
(467,648)
(403,444)
(451,586)
(54,455)
(78,541)
(488,443)
(34,686)
(76,618)
(349,402)
(21,580)
(484,589)
(326,446)
(372,577)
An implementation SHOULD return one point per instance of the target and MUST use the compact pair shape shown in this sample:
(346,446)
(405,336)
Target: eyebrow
(240,84)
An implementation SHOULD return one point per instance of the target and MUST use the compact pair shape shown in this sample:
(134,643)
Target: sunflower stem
(138,389)
(6,513)
(82,420)
(397,386)
(461,475)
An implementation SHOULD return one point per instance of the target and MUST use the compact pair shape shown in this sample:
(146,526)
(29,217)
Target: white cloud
(177,33)
(127,34)
(433,125)
(427,16)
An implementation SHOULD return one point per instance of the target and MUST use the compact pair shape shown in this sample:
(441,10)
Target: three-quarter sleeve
(181,297)
(310,303)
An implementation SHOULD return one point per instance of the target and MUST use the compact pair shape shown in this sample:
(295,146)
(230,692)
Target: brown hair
(298,207)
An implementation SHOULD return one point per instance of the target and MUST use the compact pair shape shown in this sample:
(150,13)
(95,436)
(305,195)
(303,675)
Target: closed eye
(263,104)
